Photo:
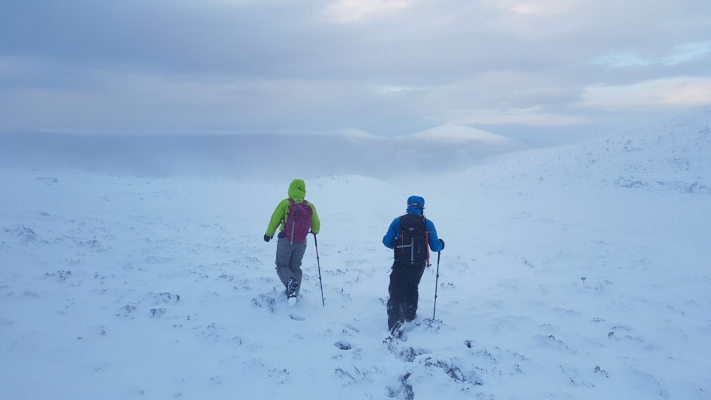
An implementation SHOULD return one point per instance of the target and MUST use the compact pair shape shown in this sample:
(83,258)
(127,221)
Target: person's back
(411,237)
(296,218)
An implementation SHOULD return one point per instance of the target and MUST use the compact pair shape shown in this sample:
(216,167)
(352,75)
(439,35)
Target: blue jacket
(394,231)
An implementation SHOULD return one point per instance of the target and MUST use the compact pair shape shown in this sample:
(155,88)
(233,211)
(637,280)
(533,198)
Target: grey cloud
(251,65)
(682,54)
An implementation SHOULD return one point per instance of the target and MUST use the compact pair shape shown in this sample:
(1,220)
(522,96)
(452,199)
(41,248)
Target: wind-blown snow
(579,272)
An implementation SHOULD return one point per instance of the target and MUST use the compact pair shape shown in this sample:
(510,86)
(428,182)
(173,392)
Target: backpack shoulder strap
(427,240)
(292,201)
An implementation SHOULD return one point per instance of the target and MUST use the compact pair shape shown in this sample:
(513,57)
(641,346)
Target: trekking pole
(318,262)
(436,283)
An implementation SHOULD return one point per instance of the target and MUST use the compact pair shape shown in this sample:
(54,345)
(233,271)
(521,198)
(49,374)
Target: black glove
(267,238)
(442,241)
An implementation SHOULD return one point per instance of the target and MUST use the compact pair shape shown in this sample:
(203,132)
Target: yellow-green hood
(297,190)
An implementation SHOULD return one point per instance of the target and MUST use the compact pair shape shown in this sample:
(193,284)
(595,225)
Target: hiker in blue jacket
(411,237)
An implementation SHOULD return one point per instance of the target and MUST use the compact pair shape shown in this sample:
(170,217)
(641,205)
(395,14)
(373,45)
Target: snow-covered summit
(459,134)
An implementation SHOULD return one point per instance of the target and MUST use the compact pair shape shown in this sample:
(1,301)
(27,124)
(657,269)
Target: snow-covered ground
(569,273)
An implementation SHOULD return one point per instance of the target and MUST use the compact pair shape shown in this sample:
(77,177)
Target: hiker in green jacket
(296,218)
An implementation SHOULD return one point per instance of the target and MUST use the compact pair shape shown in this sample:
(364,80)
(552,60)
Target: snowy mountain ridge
(668,156)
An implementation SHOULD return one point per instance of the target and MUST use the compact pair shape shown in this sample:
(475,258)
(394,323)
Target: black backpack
(412,247)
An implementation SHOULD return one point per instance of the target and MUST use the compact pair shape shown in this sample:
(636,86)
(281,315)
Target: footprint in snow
(343,345)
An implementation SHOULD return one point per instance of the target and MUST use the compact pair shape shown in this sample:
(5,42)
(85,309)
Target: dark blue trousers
(404,282)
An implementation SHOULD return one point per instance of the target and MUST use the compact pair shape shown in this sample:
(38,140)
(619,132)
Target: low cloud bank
(256,155)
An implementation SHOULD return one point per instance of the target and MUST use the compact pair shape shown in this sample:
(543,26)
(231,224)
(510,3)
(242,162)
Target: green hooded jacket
(297,191)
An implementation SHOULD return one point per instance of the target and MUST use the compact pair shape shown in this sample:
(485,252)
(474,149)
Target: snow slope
(561,278)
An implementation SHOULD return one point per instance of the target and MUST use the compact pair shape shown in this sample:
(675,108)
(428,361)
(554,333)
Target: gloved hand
(442,241)
(267,238)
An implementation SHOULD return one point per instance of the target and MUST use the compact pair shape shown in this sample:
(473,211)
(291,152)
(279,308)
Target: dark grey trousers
(288,261)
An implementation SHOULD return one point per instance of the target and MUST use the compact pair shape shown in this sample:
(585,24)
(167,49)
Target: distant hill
(451,134)
(304,153)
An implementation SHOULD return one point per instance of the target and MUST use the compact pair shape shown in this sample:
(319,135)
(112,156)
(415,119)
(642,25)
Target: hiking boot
(396,329)
(292,287)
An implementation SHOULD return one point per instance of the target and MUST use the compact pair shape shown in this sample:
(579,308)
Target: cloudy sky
(389,67)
